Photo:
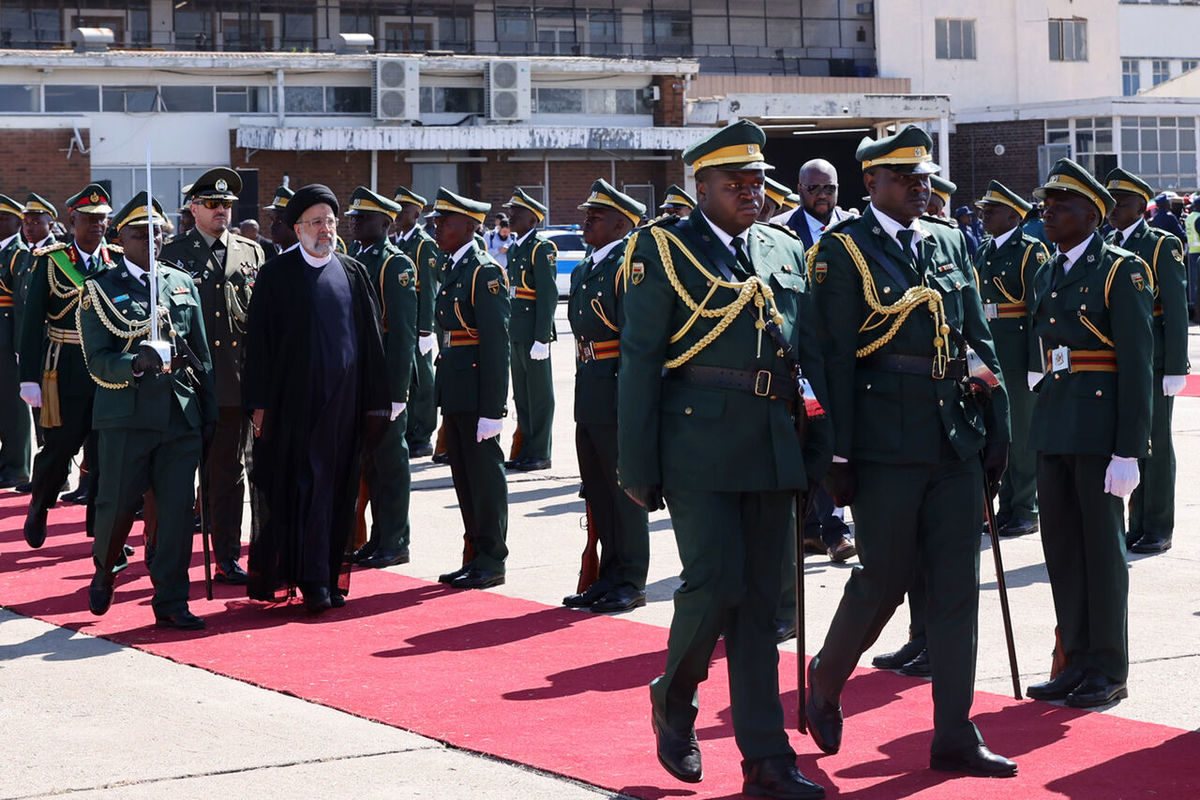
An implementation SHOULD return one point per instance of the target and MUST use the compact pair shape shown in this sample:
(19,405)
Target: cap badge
(919,152)
(95,198)
(222,185)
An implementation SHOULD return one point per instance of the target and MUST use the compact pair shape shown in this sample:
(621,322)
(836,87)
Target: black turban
(307,197)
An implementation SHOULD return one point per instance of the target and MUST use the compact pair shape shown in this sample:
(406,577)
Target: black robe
(316,389)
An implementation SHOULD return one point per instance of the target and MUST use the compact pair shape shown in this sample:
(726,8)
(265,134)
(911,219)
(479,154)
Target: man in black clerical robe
(316,388)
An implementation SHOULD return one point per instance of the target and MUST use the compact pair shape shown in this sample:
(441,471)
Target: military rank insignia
(494,286)
(404,279)
(1139,282)
(1041,257)
(1178,256)
(820,270)
(86,302)
(637,272)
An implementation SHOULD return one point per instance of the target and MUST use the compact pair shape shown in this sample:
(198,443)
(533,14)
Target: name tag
(1060,359)
(991,311)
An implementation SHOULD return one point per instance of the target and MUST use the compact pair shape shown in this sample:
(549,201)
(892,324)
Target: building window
(1160,150)
(667,33)
(133,99)
(186,98)
(954,38)
(1160,70)
(451,100)
(28,28)
(1190,64)
(348,99)
(1131,79)
(1087,140)
(1068,40)
(243,99)
(303,100)
(17,98)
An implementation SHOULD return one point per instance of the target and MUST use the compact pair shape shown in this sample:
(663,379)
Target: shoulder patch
(637,272)
(820,270)
(1139,282)
(404,278)
(494,286)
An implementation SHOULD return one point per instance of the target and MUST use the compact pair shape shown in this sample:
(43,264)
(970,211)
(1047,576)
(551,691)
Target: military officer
(150,413)
(394,278)
(619,525)
(419,246)
(940,191)
(677,202)
(281,234)
(224,265)
(1005,265)
(532,267)
(472,311)
(37,230)
(16,425)
(898,310)
(1091,310)
(52,370)
(1152,506)
(717,315)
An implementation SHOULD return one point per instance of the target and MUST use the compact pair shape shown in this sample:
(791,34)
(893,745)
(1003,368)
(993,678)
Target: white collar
(1127,231)
(725,237)
(815,225)
(1074,253)
(405,236)
(49,238)
(460,252)
(600,253)
(528,233)
(8,241)
(223,238)
(315,261)
(891,227)
(1004,237)
(135,270)
(95,257)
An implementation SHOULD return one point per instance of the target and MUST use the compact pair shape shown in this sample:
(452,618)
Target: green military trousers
(1152,506)
(389,481)
(1018,487)
(16,423)
(422,403)
(730,544)
(622,526)
(533,395)
(477,469)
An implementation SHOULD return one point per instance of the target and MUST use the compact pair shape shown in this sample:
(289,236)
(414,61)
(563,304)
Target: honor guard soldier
(619,525)
(532,271)
(151,413)
(472,312)
(1152,506)
(775,200)
(280,232)
(53,374)
(419,246)
(1091,312)
(717,331)
(940,190)
(1005,266)
(394,278)
(677,202)
(224,266)
(899,315)
(16,424)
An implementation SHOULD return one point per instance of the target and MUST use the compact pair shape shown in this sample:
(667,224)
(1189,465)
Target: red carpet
(566,692)
(1192,389)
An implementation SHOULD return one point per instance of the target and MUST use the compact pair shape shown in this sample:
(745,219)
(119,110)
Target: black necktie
(743,260)
(905,236)
(1118,239)
(218,251)
(1058,271)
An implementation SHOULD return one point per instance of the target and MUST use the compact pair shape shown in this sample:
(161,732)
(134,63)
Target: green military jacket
(594,310)
(423,252)
(678,433)
(1101,306)
(394,277)
(14,252)
(883,415)
(472,311)
(113,316)
(1004,276)
(225,298)
(55,281)
(1163,252)
(532,269)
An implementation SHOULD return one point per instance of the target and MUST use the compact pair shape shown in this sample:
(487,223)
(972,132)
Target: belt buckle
(445,338)
(586,351)
(762,383)
(940,362)
(991,311)
(1060,359)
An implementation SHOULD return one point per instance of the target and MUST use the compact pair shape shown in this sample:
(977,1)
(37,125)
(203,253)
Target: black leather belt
(759,382)
(956,369)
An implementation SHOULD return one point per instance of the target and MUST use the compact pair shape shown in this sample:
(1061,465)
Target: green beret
(405,195)
(522,200)
(1067,176)
(92,200)
(219,183)
(1000,194)
(909,151)
(10,206)
(1120,180)
(36,204)
(364,201)
(283,196)
(448,202)
(134,212)
(677,197)
(603,195)
(734,147)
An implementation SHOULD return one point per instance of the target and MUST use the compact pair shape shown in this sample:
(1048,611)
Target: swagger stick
(1003,587)
(798,535)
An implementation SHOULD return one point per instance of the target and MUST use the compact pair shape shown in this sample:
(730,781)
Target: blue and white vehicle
(571,250)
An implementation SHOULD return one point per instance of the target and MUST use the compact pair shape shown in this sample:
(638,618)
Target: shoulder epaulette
(50,248)
(842,223)
(243,239)
(665,219)
(949,223)
(781,228)
(176,268)
(114,248)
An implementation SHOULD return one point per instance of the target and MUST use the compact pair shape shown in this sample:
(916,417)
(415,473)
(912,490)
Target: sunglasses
(212,204)
(820,188)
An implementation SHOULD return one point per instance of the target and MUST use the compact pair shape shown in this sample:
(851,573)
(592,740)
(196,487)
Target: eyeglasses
(213,203)
(820,188)
(319,223)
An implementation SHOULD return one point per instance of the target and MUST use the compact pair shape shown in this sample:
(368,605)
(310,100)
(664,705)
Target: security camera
(845,109)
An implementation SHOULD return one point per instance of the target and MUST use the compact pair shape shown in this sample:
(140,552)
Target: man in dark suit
(817,186)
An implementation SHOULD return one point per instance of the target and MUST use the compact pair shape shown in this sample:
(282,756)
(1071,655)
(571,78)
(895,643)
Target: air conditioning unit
(507,94)
(397,89)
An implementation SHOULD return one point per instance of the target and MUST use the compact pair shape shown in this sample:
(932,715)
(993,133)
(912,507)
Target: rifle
(589,563)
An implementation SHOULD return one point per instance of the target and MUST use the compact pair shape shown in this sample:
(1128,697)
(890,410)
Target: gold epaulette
(665,219)
(114,248)
(50,248)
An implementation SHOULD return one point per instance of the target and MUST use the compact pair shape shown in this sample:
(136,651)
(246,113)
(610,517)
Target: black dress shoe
(842,551)
(588,596)
(23,488)
(530,464)
(316,598)
(100,592)
(679,753)
(784,630)
(11,483)
(1018,526)
(363,553)
(441,458)
(1131,538)
(622,598)
(1151,543)
(918,667)
(478,579)
(977,760)
(1058,687)
(824,718)
(35,529)
(231,574)
(183,620)
(814,544)
(897,659)
(450,576)
(78,497)
(420,451)
(778,777)
(386,557)
(1096,689)
(337,599)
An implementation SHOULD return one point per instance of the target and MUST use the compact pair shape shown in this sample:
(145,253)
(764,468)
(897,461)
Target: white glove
(397,410)
(488,428)
(425,343)
(1122,476)
(1173,384)
(540,351)
(1033,378)
(31,393)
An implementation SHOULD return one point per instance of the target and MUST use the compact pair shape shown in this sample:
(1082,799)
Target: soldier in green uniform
(52,370)
(677,202)
(280,232)
(472,312)
(717,315)
(898,313)
(151,416)
(16,424)
(1004,268)
(532,261)
(37,230)
(394,278)
(419,246)
(594,309)
(1091,309)
(224,266)
(1152,506)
